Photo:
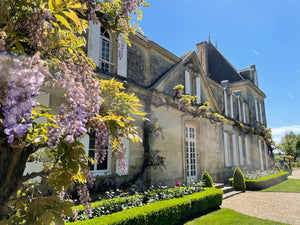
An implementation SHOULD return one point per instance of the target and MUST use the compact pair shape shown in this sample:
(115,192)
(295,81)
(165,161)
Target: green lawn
(290,185)
(228,216)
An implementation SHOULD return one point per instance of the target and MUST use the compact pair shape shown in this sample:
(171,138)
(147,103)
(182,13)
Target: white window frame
(191,152)
(86,142)
(187,82)
(101,60)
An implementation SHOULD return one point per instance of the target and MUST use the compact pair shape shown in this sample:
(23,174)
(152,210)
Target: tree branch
(35,174)
(32,148)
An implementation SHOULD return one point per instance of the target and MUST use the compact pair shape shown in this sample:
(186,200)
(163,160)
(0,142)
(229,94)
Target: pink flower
(177,184)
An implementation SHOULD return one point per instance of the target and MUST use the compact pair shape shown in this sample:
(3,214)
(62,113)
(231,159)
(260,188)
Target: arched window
(105,50)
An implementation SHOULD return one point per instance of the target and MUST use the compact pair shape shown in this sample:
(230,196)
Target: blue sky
(265,33)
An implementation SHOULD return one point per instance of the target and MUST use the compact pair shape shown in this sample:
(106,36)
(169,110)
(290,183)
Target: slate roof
(219,68)
(245,74)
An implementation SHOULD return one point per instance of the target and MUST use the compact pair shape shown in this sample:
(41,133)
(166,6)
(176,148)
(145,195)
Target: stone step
(227,189)
(218,185)
(232,193)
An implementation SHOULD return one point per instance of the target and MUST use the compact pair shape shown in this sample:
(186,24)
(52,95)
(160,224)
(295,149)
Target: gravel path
(276,206)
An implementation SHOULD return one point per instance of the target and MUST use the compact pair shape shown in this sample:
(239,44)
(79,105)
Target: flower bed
(164,212)
(108,206)
(264,182)
(254,175)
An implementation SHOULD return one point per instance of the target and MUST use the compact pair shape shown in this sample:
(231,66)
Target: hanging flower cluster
(83,101)
(131,6)
(20,82)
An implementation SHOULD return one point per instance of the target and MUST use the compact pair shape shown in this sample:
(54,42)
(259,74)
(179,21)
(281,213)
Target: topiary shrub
(207,180)
(277,166)
(239,180)
(287,168)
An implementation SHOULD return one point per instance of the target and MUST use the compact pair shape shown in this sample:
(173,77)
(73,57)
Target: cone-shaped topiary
(207,180)
(238,180)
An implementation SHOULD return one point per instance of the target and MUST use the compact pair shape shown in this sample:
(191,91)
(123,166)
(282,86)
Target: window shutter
(187,83)
(260,110)
(94,42)
(266,154)
(227,163)
(260,155)
(225,103)
(256,110)
(241,151)
(244,113)
(231,107)
(247,150)
(198,89)
(122,57)
(234,144)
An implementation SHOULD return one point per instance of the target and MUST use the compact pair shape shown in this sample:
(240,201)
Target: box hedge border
(163,212)
(264,182)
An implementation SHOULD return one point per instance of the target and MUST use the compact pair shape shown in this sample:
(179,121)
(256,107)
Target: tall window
(105,50)
(190,145)
(96,167)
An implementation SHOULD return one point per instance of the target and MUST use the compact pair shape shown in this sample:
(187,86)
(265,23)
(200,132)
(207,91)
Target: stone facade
(190,145)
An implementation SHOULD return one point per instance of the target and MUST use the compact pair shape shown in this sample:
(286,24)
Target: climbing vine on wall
(188,103)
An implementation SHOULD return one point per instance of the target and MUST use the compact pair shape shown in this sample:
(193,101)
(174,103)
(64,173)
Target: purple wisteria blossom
(83,101)
(21,84)
(130,6)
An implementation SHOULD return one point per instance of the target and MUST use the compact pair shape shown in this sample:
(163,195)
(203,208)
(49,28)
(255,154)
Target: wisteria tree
(41,48)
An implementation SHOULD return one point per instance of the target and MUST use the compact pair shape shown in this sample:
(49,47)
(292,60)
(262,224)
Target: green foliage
(286,168)
(264,182)
(238,180)
(277,166)
(117,204)
(207,180)
(164,212)
(228,217)
(54,31)
(290,185)
(278,159)
(40,210)
(288,144)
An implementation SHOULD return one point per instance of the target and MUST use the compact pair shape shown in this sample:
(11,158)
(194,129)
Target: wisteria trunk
(12,165)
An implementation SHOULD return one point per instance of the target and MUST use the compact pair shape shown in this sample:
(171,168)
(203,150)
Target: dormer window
(105,50)
(193,85)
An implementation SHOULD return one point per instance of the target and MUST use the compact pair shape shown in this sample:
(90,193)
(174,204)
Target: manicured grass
(228,216)
(290,185)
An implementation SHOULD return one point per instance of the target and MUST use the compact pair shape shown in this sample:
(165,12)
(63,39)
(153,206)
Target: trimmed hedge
(264,182)
(164,212)
(238,180)
(207,180)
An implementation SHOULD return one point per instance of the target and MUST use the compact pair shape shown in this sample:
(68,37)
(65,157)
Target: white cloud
(279,132)
(290,95)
